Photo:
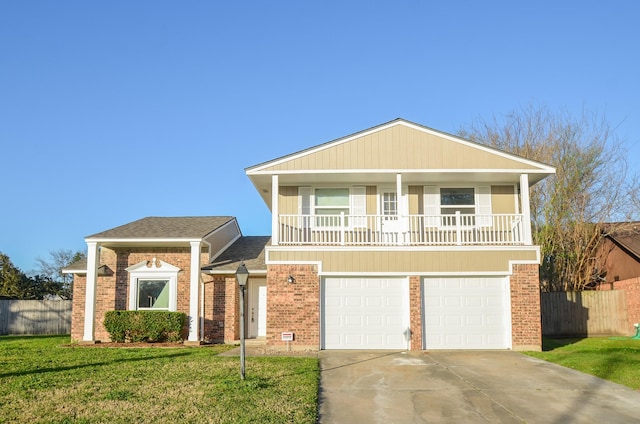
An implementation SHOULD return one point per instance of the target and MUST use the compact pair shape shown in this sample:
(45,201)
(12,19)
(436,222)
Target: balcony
(413,230)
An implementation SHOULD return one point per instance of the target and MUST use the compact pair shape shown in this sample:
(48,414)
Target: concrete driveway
(464,387)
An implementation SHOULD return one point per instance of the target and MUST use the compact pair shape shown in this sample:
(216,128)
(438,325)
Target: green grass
(44,380)
(613,359)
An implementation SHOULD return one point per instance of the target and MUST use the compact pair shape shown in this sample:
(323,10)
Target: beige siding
(399,147)
(380,261)
(288,200)
(415,200)
(372,200)
(502,199)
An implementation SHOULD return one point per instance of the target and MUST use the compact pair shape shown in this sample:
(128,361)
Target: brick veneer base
(526,322)
(293,307)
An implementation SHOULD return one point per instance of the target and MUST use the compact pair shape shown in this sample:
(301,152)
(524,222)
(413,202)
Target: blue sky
(113,111)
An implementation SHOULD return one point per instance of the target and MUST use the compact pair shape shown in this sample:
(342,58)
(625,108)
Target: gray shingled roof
(188,227)
(250,249)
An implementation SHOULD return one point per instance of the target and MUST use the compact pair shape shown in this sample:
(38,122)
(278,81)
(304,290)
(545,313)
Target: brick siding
(526,324)
(112,292)
(415,306)
(294,306)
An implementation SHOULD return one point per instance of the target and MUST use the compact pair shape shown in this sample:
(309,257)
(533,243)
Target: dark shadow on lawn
(549,343)
(91,364)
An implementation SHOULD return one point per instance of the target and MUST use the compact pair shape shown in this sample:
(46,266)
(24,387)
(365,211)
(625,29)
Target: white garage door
(365,313)
(466,313)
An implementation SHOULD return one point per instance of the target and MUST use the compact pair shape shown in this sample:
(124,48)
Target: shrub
(144,326)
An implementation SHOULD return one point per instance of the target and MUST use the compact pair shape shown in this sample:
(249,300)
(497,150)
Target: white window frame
(153,270)
(357,205)
(481,199)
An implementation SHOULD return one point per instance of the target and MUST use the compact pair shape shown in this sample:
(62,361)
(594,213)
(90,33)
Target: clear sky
(112,111)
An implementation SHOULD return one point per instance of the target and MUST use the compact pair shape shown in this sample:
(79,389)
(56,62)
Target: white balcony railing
(412,230)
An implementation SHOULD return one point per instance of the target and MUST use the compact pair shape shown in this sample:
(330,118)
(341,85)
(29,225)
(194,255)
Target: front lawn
(613,359)
(43,379)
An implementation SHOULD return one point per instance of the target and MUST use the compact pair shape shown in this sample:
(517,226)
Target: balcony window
(330,201)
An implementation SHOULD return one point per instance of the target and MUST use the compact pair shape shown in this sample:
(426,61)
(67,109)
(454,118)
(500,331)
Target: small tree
(51,270)
(568,209)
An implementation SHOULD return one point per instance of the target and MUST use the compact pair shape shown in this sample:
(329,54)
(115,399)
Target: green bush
(144,326)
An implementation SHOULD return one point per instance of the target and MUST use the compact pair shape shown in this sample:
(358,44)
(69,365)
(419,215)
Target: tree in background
(591,187)
(51,270)
(15,284)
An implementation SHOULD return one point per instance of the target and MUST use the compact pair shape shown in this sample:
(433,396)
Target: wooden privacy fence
(35,316)
(586,313)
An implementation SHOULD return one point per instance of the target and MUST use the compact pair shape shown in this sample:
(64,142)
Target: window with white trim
(153,286)
(326,204)
(442,203)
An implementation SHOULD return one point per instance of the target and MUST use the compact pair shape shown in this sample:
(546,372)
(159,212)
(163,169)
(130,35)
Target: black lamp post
(242,275)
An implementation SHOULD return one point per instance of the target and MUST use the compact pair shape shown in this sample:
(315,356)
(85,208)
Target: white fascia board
(412,171)
(142,240)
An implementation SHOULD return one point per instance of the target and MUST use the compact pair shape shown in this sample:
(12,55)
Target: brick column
(526,321)
(293,306)
(415,307)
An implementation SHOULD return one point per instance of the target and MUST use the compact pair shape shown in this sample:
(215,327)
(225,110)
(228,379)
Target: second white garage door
(365,313)
(466,313)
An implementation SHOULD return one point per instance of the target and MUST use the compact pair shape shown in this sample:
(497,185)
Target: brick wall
(631,288)
(293,306)
(415,306)
(526,326)
(77,311)
(112,292)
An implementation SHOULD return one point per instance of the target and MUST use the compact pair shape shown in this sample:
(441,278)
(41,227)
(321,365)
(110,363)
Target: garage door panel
(361,313)
(466,313)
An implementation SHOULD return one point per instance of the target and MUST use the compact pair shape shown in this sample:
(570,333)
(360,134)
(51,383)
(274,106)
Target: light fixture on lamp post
(242,275)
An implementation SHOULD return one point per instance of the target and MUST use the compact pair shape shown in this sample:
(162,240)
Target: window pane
(456,196)
(332,197)
(389,204)
(153,294)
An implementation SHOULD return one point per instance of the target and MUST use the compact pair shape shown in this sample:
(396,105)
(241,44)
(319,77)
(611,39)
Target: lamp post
(242,275)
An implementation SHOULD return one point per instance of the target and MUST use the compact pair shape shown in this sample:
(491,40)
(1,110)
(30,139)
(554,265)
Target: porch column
(194,286)
(90,292)
(400,203)
(274,210)
(526,208)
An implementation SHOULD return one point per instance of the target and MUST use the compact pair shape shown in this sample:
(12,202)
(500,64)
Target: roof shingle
(165,228)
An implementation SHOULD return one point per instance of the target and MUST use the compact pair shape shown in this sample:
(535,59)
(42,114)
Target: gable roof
(164,228)
(248,249)
(418,152)
(628,238)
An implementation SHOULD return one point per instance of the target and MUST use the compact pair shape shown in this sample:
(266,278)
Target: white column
(400,203)
(526,208)
(274,210)
(90,291)
(194,286)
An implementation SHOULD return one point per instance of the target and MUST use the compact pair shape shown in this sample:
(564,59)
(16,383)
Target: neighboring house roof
(420,153)
(628,238)
(249,249)
(80,267)
(154,227)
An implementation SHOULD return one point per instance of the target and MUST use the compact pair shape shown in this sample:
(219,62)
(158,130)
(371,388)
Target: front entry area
(256,314)
(365,313)
(466,313)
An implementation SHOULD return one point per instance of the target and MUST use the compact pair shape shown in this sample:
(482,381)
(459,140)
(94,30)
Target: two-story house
(402,237)
(396,237)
